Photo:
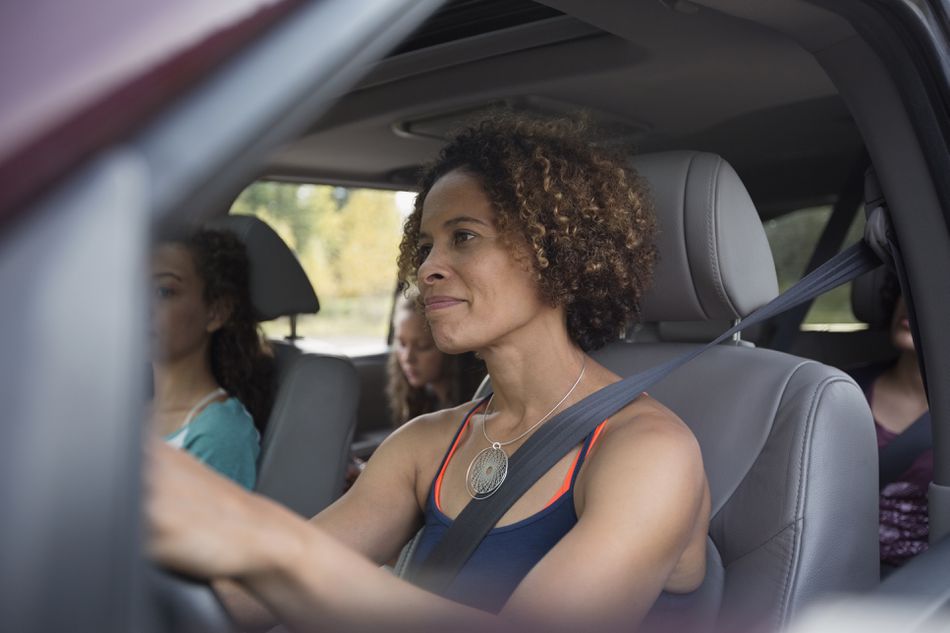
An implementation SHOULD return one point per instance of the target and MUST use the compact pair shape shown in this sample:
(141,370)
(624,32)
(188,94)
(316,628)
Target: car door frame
(74,246)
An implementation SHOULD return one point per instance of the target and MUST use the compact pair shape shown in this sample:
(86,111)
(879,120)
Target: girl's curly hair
(241,361)
(582,211)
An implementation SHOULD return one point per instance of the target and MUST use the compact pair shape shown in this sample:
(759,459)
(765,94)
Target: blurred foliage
(792,238)
(346,240)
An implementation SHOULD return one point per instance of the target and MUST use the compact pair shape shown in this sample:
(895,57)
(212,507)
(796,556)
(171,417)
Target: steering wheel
(181,604)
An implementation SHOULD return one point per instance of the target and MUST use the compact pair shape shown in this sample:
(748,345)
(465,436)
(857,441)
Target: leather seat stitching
(794,564)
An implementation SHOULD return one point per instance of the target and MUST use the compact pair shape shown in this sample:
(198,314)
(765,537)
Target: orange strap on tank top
(565,486)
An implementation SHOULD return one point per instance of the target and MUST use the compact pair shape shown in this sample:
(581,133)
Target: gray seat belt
(567,429)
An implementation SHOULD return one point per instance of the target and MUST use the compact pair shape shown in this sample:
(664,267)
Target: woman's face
(181,321)
(476,291)
(901,337)
(419,358)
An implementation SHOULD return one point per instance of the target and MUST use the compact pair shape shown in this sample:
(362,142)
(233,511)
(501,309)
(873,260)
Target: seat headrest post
(293,328)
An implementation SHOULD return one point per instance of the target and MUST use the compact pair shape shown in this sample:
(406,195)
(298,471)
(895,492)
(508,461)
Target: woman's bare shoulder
(644,420)
(427,436)
(647,419)
(434,425)
(643,440)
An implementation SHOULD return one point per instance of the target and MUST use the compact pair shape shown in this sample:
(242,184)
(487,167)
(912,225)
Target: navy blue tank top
(508,553)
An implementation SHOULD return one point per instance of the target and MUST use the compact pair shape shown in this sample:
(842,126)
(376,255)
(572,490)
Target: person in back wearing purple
(895,393)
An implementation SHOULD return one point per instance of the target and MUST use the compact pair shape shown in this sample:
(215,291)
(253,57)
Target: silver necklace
(488,470)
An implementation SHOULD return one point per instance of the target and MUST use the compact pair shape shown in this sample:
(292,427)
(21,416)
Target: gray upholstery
(305,446)
(788,444)
(279,286)
(686,332)
(715,262)
(791,458)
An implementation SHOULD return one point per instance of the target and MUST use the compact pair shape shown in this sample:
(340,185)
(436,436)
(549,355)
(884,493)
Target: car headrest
(714,258)
(867,298)
(279,286)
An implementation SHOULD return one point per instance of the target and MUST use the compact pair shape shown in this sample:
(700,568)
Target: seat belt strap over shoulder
(566,430)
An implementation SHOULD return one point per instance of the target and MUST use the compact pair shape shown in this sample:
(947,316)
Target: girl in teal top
(212,374)
(222,436)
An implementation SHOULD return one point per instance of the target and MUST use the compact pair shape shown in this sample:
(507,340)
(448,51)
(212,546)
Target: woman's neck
(905,374)
(899,397)
(177,384)
(531,376)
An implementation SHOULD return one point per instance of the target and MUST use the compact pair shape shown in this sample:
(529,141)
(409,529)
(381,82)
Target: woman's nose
(433,267)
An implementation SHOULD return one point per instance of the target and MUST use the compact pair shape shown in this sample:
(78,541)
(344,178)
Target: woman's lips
(440,303)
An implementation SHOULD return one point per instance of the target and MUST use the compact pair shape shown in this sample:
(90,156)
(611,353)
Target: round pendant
(487,472)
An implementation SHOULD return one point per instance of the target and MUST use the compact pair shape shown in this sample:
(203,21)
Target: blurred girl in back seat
(212,375)
(421,379)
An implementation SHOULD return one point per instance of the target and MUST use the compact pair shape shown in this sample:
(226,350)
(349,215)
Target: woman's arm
(375,518)
(642,502)
(250,614)
(383,508)
(298,570)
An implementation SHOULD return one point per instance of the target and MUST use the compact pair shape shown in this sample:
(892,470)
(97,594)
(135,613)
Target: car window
(792,238)
(347,240)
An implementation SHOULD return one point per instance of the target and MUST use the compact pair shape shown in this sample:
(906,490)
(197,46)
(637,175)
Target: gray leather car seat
(788,444)
(305,446)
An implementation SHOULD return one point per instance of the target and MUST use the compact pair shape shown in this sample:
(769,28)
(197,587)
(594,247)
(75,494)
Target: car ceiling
(656,75)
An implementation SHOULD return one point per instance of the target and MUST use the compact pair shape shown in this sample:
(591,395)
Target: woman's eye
(422,252)
(164,293)
(462,236)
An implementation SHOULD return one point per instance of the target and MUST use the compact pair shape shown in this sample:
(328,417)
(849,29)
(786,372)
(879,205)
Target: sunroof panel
(460,19)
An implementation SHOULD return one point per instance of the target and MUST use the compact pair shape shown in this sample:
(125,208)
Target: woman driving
(530,246)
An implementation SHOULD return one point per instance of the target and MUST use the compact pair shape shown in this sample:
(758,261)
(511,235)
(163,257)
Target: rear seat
(306,440)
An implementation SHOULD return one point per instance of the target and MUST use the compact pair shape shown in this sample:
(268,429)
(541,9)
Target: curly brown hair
(583,212)
(241,361)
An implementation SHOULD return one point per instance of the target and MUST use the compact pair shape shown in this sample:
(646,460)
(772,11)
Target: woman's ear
(219,315)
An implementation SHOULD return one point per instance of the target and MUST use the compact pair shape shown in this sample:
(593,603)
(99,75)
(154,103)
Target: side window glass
(792,238)
(347,241)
